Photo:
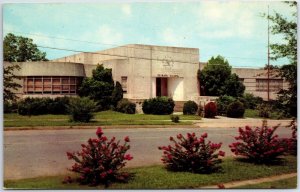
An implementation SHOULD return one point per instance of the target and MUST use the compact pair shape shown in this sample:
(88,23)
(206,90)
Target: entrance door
(161,87)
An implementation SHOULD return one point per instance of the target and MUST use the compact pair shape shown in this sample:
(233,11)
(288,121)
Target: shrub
(210,110)
(117,94)
(264,110)
(81,108)
(259,144)
(192,154)
(223,102)
(293,140)
(158,106)
(236,110)
(100,161)
(200,111)
(10,107)
(125,106)
(40,106)
(190,108)
(174,118)
(251,101)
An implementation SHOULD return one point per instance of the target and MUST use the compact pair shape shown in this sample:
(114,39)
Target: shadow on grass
(274,162)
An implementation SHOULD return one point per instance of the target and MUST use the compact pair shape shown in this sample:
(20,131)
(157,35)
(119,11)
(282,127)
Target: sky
(234,29)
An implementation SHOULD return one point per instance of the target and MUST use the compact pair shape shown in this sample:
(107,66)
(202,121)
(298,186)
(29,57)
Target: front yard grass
(101,118)
(253,113)
(157,177)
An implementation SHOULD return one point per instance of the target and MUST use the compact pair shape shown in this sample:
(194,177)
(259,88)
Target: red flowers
(126,139)
(101,157)
(192,154)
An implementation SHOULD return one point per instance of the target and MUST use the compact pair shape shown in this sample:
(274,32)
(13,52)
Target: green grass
(157,177)
(101,118)
(290,183)
(253,113)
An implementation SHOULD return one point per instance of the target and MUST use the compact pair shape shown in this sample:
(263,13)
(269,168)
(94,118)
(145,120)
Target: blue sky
(233,29)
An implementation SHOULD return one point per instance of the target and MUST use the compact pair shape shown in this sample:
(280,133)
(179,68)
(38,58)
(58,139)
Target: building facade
(144,71)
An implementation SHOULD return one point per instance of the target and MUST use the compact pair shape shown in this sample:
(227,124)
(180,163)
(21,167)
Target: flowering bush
(210,110)
(192,154)
(100,160)
(259,145)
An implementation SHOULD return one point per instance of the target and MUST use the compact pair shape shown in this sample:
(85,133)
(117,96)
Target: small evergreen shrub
(100,161)
(190,108)
(192,154)
(235,109)
(259,144)
(175,118)
(158,106)
(251,101)
(125,106)
(10,107)
(264,110)
(210,110)
(81,109)
(223,103)
(117,94)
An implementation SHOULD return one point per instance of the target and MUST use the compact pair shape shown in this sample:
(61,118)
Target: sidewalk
(235,184)
(226,122)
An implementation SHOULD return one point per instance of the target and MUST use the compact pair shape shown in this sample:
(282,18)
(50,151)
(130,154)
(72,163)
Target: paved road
(43,152)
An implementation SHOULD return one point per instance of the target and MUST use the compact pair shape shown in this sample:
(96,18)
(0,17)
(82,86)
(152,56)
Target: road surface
(35,153)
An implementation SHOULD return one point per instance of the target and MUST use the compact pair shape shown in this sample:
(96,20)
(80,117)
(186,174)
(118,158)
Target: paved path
(35,153)
(236,184)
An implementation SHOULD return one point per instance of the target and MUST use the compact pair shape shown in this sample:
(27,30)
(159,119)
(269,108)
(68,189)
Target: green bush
(10,107)
(210,110)
(175,118)
(117,94)
(236,109)
(40,106)
(223,102)
(81,109)
(251,101)
(158,106)
(125,106)
(190,108)
(264,110)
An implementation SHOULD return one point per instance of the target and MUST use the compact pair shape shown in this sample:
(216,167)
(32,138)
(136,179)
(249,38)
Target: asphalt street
(33,153)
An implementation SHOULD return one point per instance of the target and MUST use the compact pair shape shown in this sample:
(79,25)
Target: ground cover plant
(260,144)
(192,154)
(100,161)
(100,118)
(157,177)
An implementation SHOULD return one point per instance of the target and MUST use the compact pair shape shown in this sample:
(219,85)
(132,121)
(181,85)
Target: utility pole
(268,81)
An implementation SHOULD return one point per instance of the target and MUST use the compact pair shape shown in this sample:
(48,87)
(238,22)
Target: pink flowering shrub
(100,161)
(192,154)
(259,144)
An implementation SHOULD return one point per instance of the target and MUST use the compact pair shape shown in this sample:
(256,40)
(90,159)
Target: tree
(216,79)
(286,49)
(99,87)
(17,49)
(117,94)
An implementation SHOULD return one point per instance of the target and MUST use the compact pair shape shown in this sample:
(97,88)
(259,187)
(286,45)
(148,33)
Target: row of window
(262,84)
(51,85)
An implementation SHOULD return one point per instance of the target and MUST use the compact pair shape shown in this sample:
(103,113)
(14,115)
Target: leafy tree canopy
(287,28)
(216,79)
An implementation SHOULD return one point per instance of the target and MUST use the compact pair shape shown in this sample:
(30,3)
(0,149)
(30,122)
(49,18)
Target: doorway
(161,87)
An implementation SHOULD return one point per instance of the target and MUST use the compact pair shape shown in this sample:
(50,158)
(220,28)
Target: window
(124,83)
(51,85)
(274,85)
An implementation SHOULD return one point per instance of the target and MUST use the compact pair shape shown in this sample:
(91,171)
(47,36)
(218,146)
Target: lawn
(101,118)
(253,113)
(157,177)
(290,183)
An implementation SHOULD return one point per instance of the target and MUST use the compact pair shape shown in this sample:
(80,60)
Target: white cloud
(169,36)
(126,9)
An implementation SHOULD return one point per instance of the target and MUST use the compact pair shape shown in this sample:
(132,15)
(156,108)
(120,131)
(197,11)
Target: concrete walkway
(235,184)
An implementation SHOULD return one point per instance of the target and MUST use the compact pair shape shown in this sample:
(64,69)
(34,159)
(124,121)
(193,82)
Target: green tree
(17,49)
(99,87)
(216,79)
(287,28)
(117,94)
